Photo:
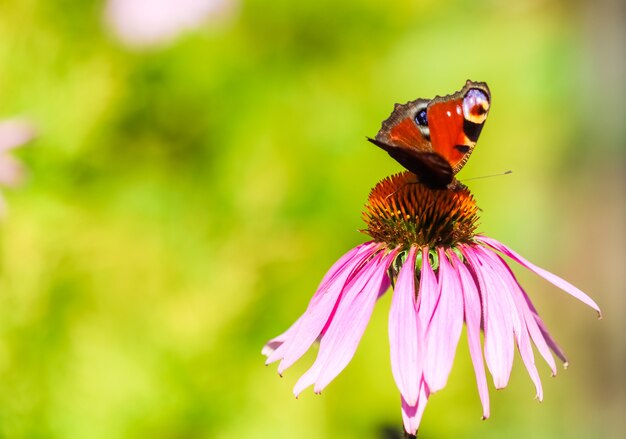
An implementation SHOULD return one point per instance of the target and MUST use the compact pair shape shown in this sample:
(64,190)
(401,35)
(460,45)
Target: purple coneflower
(443,274)
(13,134)
(146,23)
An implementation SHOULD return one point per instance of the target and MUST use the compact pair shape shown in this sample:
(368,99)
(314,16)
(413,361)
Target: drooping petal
(339,344)
(321,306)
(528,357)
(552,278)
(519,323)
(428,291)
(404,333)
(386,283)
(544,331)
(277,341)
(444,330)
(530,316)
(472,307)
(352,323)
(543,340)
(412,413)
(498,327)
(385,286)
(339,266)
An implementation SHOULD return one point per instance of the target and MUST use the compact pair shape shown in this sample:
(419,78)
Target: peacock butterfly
(434,138)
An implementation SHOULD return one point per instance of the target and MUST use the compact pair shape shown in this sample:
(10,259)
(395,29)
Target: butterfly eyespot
(479,110)
(475,106)
(420,118)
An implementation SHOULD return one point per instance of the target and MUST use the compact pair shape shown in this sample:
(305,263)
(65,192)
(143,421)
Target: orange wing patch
(446,131)
(407,134)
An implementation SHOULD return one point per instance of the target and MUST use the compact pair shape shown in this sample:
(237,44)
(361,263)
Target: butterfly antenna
(488,176)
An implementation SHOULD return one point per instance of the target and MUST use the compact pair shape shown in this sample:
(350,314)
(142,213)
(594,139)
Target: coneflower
(14,133)
(424,243)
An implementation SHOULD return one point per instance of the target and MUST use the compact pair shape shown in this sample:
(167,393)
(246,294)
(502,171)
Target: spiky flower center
(402,212)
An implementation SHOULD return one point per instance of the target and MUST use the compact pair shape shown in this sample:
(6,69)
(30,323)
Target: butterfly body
(434,138)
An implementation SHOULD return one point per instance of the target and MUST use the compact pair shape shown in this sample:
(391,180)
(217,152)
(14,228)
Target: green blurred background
(183,201)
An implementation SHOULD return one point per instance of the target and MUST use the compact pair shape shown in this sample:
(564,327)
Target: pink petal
(339,344)
(428,291)
(552,278)
(15,133)
(473,310)
(526,352)
(497,323)
(386,283)
(443,333)
(352,322)
(519,323)
(404,333)
(384,287)
(544,332)
(528,357)
(530,317)
(144,23)
(341,264)
(11,170)
(542,339)
(412,413)
(277,341)
(321,306)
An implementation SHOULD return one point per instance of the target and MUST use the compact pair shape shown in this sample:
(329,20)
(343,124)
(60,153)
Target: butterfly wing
(434,138)
(430,167)
(401,129)
(455,122)
(405,136)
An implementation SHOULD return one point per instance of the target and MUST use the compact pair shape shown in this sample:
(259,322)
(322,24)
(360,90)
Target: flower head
(13,134)
(444,275)
(145,23)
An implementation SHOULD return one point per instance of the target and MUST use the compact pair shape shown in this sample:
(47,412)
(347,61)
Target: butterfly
(434,138)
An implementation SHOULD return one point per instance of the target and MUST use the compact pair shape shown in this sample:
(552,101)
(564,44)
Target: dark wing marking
(431,169)
(472,130)
(400,128)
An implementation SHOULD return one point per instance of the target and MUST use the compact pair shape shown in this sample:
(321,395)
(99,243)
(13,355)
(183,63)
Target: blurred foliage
(184,201)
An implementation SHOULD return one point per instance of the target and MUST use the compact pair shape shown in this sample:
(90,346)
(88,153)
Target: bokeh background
(196,173)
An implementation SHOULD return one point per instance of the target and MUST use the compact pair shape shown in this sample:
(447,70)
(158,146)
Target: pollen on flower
(402,212)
